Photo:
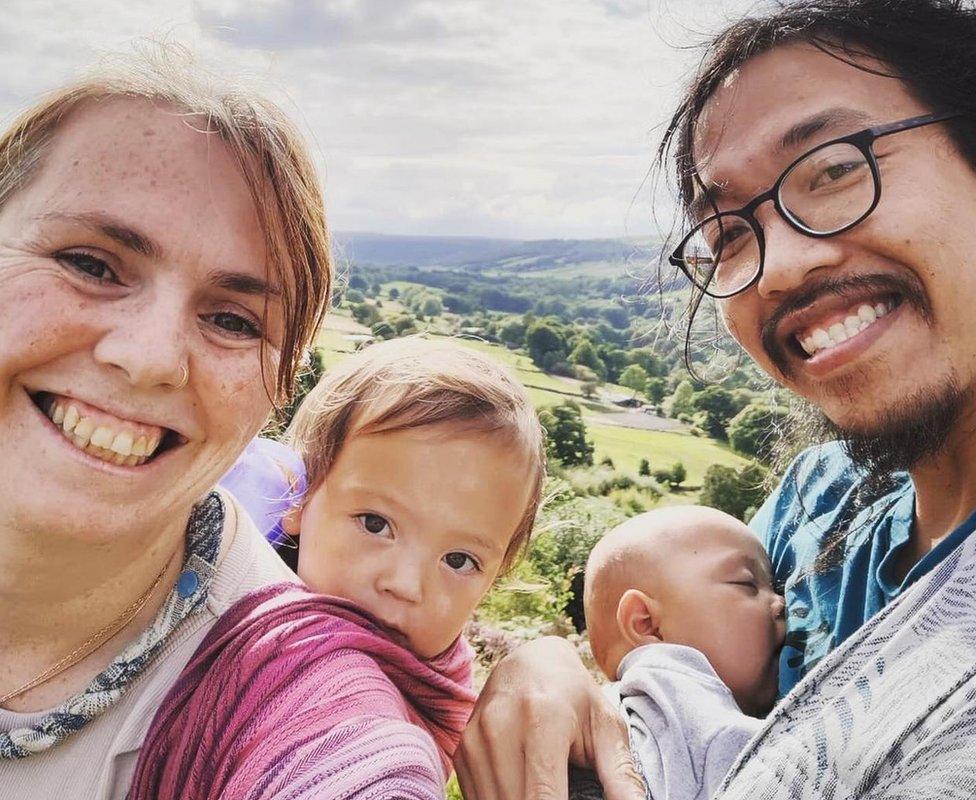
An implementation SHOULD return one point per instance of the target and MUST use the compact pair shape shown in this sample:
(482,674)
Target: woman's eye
(89,267)
(374,524)
(462,563)
(234,324)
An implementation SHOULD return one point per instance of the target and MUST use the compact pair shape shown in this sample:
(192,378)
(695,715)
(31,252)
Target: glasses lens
(831,188)
(721,255)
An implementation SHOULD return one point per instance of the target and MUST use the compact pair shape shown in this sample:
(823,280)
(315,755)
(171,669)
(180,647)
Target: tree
(616,316)
(365,313)
(394,293)
(585,355)
(719,407)
(644,468)
(383,330)
(541,338)
(733,492)
(656,389)
(753,430)
(634,377)
(614,358)
(683,399)
(678,474)
(431,307)
(566,440)
(649,360)
(355,296)
(357,282)
(512,333)
(589,389)
(403,325)
(458,304)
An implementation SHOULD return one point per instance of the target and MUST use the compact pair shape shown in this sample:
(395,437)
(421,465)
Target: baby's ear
(638,618)
(291,523)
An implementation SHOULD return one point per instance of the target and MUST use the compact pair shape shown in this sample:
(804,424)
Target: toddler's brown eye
(460,562)
(374,523)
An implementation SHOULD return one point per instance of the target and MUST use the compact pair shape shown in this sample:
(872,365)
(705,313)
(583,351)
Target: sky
(520,119)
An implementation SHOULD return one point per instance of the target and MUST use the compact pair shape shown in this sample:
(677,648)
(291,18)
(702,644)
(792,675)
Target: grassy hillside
(625,445)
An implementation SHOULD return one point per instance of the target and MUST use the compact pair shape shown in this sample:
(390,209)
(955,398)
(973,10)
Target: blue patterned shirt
(817,498)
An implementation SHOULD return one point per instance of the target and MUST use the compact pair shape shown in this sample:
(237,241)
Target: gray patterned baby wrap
(891,713)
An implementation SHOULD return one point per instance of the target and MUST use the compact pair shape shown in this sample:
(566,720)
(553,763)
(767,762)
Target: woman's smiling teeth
(101,435)
(814,340)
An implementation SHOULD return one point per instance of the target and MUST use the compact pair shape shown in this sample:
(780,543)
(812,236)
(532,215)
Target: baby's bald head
(643,554)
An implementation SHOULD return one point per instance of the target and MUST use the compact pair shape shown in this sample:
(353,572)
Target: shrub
(644,468)
(734,492)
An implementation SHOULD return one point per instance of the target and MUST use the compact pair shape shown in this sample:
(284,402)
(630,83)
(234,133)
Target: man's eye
(234,324)
(833,173)
(723,236)
(374,524)
(89,267)
(462,563)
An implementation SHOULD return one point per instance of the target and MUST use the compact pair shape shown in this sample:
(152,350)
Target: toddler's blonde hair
(412,383)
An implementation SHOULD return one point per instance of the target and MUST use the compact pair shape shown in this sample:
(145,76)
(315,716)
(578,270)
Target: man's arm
(539,711)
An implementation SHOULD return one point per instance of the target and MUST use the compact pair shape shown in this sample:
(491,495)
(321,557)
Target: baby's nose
(779,608)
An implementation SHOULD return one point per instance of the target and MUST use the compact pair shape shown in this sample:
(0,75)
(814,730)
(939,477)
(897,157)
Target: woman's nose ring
(184,376)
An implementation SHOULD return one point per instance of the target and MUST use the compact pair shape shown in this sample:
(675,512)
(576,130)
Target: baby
(682,614)
(422,464)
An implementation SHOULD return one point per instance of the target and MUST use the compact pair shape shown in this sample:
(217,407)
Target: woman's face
(134,254)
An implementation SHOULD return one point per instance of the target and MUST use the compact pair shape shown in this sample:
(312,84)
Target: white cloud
(527,118)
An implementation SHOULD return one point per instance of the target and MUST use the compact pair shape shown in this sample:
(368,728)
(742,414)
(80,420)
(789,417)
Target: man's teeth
(109,443)
(864,317)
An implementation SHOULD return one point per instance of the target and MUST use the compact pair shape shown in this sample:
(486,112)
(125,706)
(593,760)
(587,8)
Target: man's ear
(291,523)
(638,618)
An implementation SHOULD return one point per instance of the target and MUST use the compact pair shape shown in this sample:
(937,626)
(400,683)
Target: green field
(626,446)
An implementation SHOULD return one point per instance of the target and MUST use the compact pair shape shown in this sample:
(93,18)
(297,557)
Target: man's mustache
(907,287)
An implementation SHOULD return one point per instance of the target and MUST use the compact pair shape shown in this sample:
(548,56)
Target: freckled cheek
(235,396)
(36,326)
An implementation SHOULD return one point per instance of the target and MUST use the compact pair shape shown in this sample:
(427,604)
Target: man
(826,156)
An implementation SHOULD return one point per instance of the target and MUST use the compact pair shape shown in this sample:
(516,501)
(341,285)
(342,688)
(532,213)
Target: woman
(164,263)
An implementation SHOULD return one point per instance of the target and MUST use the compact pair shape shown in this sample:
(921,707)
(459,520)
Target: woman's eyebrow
(242,283)
(109,226)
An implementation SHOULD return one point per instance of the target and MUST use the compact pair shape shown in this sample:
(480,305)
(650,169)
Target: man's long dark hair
(930,45)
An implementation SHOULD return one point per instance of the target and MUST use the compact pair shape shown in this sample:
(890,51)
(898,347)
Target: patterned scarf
(202,546)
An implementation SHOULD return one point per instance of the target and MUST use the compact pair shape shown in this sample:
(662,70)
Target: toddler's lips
(395,633)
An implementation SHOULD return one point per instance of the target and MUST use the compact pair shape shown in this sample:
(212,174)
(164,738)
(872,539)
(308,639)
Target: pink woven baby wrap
(298,695)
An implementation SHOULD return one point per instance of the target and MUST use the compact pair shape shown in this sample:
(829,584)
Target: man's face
(909,259)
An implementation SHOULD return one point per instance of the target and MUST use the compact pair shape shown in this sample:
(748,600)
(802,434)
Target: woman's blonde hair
(269,150)
(412,383)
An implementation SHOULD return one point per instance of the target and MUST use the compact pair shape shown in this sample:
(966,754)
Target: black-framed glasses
(826,191)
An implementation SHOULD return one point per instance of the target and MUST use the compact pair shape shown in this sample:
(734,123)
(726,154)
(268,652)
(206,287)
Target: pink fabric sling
(298,695)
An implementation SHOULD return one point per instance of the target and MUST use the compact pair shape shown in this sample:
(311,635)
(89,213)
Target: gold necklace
(93,642)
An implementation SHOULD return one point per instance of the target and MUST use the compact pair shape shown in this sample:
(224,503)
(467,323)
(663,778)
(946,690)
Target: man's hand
(540,710)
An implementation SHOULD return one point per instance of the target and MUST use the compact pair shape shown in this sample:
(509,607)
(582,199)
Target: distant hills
(464,252)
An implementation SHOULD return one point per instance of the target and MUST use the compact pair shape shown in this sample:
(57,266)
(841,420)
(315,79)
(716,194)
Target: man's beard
(911,433)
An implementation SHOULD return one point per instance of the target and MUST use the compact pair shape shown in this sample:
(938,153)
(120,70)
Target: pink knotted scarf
(298,695)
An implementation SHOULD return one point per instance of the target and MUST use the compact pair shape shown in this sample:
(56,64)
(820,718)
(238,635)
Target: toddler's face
(412,526)
(720,600)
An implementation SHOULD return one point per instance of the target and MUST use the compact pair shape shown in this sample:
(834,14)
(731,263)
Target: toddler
(421,465)
(682,615)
